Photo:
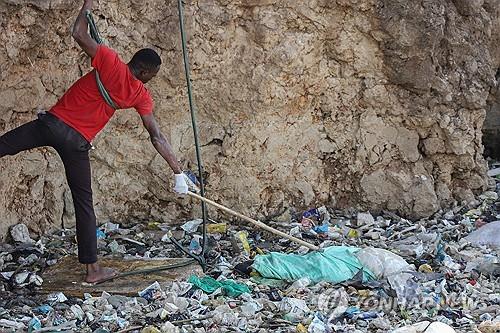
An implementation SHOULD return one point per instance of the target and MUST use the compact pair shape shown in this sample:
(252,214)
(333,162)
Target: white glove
(181,186)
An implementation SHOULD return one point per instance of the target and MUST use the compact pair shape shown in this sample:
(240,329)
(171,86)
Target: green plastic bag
(208,284)
(334,264)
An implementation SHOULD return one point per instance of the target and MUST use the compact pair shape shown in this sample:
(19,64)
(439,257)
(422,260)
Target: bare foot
(96,273)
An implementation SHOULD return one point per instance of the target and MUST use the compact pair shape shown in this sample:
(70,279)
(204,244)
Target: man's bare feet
(96,273)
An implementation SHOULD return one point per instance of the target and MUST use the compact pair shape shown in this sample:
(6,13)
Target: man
(79,115)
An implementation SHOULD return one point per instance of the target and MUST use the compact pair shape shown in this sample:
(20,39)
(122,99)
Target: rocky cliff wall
(370,104)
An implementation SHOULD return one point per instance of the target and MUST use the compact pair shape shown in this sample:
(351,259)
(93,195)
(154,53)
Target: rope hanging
(201,257)
(94,33)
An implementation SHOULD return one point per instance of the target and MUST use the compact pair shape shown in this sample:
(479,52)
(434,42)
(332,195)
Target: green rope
(195,131)
(148,270)
(94,33)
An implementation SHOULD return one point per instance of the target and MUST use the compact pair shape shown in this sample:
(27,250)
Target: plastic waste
(77,312)
(249,309)
(334,302)
(319,324)
(110,227)
(427,327)
(353,233)
(381,323)
(166,237)
(152,292)
(486,235)
(295,309)
(489,196)
(220,228)
(12,324)
(192,181)
(381,262)
(301,250)
(191,226)
(209,285)
(150,329)
(489,326)
(334,264)
(317,213)
(117,248)
(494,172)
(20,234)
(351,311)
(195,245)
(56,298)
(243,238)
(21,277)
(100,234)
(365,220)
(450,263)
(154,225)
(101,330)
(225,316)
(485,264)
(44,309)
(301,283)
(417,245)
(168,327)
(312,213)
(406,288)
(385,264)
(366,315)
(466,297)
(306,223)
(122,323)
(322,229)
(300,328)
(34,324)
(295,231)
(425,268)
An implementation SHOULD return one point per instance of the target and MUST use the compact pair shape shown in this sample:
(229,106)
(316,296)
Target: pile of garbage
(373,274)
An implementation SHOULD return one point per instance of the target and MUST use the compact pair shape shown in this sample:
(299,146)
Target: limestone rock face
(371,104)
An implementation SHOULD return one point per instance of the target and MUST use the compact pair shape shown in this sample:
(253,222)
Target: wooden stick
(132,328)
(185,321)
(255,222)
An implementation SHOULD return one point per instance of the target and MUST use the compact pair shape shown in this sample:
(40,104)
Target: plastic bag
(381,262)
(385,264)
(209,285)
(486,235)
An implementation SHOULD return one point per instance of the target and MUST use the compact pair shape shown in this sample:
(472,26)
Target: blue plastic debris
(312,213)
(100,234)
(44,309)
(34,324)
(192,177)
(321,229)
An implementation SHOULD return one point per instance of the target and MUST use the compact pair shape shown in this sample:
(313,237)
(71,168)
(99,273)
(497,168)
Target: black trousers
(73,149)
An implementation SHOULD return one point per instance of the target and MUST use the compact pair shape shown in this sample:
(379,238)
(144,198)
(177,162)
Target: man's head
(145,64)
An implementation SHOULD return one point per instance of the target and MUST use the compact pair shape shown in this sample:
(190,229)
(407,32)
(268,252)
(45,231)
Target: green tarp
(334,264)
(209,285)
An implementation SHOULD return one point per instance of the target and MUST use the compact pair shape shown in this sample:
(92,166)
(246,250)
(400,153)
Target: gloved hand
(181,186)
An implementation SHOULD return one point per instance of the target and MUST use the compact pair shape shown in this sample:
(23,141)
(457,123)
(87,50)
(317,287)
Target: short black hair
(146,59)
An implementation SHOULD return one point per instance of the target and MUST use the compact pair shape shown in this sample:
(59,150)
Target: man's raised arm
(163,147)
(80,31)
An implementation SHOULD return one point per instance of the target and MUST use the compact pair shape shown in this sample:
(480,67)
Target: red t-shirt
(82,106)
